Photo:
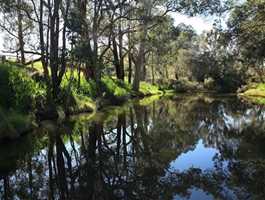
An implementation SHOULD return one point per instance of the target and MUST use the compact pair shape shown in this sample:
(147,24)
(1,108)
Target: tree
(18,29)
(152,11)
(246,33)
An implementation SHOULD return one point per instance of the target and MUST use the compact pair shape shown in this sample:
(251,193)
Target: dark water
(189,147)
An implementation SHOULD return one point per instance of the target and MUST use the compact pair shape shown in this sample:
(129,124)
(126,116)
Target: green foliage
(82,104)
(110,86)
(261,86)
(84,87)
(115,87)
(149,89)
(246,30)
(17,89)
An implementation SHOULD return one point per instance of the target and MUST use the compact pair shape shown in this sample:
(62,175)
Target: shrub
(149,89)
(115,88)
(87,88)
(17,89)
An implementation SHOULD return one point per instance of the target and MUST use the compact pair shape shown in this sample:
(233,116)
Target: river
(183,147)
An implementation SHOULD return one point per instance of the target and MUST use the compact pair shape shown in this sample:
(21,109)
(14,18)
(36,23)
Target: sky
(1,42)
(200,24)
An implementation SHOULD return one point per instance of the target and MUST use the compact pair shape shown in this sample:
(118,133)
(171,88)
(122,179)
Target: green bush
(149,89)
(17,89)
(115,88)
(86,88)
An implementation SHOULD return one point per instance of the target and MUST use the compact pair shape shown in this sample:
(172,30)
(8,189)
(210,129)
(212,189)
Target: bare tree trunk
(121,57)
(153,72)
(130,60)
(116,57)
(42,44)
(140,62)
(54,42)
(20,33)
(129,49)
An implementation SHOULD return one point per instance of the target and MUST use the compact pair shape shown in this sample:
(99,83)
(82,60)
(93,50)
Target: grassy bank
(254,93)
(23,94)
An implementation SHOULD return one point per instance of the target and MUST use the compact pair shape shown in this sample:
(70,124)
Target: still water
(184,147)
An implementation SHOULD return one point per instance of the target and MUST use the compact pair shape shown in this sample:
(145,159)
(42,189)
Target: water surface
(185,147)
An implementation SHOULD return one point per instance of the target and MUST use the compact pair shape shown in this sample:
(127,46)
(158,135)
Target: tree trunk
(129,50)
(116,58)
(42,45)
(20,34)
(121,62)
(153,71)
(140,62)
(130,66)
(54,48)
(139,65)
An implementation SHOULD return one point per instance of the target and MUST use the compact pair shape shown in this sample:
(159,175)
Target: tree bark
(140,62)
(20,33)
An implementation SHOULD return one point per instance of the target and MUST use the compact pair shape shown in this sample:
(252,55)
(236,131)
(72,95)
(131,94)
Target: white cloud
(199,24)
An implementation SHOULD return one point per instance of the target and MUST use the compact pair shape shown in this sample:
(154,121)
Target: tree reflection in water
(127,153)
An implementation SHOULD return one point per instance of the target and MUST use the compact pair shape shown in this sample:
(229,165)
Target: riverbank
(254,93)
(23,95)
